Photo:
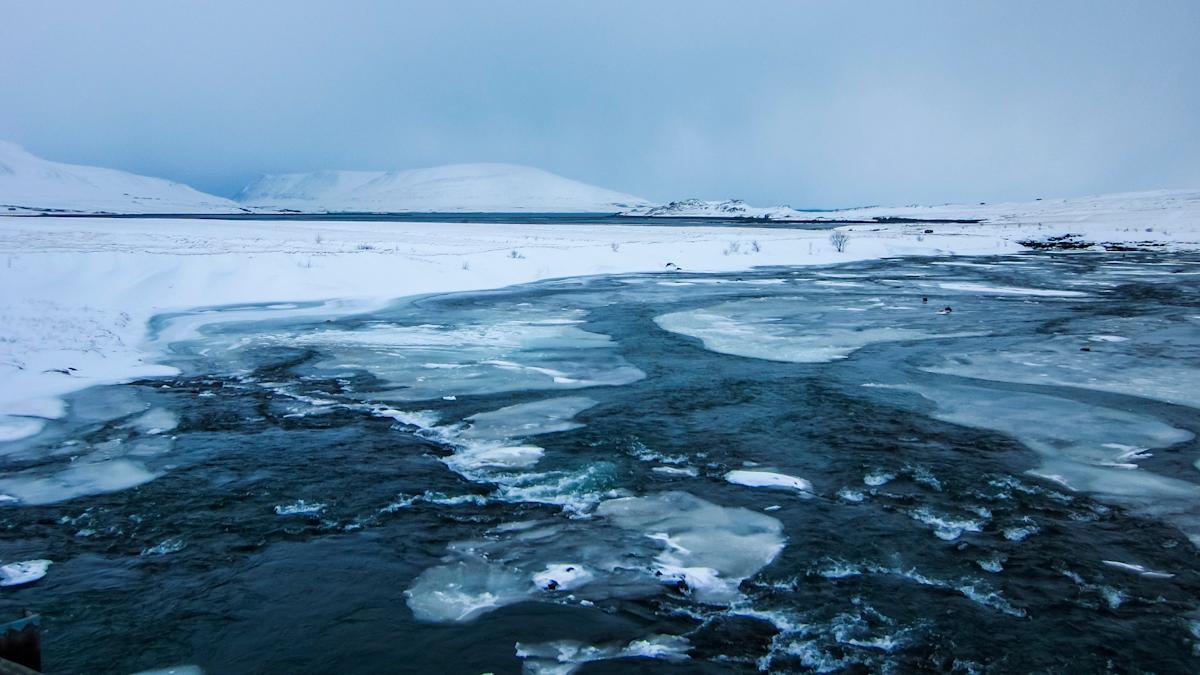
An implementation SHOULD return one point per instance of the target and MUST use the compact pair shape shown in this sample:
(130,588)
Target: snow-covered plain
(31,184)
(78,293)
(493,188)
(1151,212)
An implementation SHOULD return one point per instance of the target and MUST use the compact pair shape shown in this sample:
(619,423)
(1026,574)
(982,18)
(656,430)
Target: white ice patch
(708,547)
(300,508)
(471,460)
(155,421)
(173,670)
(14,428)
(465,590)
(421,419)
(1080,446)
(80,479)
(562,577)
(878,478)
(527,419)
(24,572)
(1137,569)
(791,329)
(1156,363)
(946,528)
(492,355)
(1010,290)
(676,471)
(564,656)
(768,479)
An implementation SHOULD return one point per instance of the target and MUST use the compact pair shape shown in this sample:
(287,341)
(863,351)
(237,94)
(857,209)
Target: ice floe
(562,657)
(768,479)
(24,572)
(709,548)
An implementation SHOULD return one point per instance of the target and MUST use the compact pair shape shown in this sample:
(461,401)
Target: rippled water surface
(954,465)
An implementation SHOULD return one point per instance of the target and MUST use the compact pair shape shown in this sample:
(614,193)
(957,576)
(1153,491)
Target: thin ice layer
(799,330)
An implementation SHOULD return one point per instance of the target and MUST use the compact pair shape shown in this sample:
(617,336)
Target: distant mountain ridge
(450,188)
(29,183)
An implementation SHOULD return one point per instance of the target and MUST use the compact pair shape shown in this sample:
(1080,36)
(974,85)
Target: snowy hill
(452,188)
(31,184)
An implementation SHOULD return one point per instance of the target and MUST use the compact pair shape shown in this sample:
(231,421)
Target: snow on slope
(452,188)
(1162,208)
(31,184)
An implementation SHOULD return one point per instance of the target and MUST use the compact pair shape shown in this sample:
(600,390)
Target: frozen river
(953,464)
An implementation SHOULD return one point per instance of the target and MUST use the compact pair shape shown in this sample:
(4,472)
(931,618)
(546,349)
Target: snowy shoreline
(79,293)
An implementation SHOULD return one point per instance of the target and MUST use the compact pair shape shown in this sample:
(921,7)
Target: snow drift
(451,188)
(31,184)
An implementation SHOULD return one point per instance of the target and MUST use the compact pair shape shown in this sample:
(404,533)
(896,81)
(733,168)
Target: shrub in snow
(839,240)
(515,255)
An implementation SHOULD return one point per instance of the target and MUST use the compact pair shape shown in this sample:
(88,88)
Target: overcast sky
(804,103)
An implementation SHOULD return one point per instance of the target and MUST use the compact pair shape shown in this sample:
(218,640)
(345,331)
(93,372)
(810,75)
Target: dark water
(925,545)
(489,217)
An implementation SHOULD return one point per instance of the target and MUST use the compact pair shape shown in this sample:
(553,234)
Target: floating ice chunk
(676,471)
(80,479)
(995,564)
(155,421)
(945,527)
(24,572)
(421,419)
(562,577)
(878,478)
(14,428)
(709,548)
(851,495)
(463,591)
(1010,290)
(735,329)
(1021,532)
(1077,443)
(446,500)
(768,479)
(565,656)
(470,459)
(173,670)
(528,419)
(300,508)
(166,546)
(1137,569)
(1108,338)
(488,353)
(1156,364)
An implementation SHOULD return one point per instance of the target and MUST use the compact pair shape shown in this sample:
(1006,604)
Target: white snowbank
(30,183)
(497,188)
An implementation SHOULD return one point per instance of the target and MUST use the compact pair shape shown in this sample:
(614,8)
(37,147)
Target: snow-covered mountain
(31,184)
(729,208)
(451,188)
